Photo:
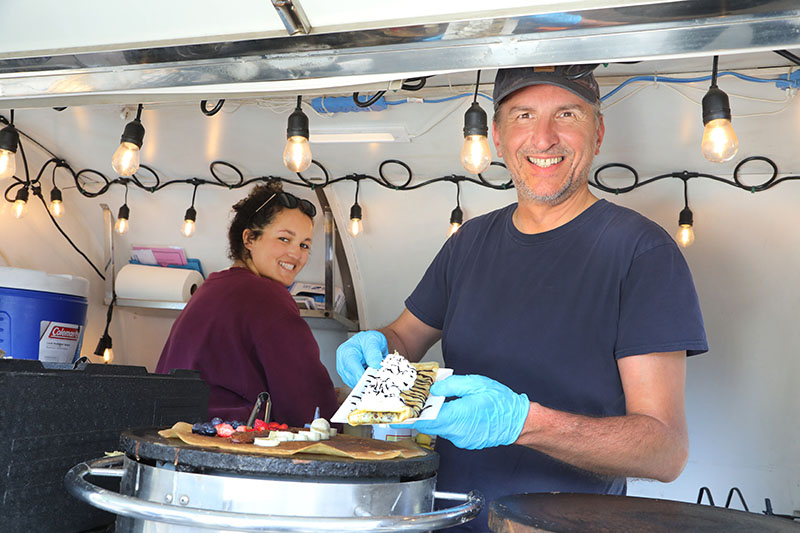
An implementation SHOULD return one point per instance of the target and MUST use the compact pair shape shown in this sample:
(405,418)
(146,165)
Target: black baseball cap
(578,79)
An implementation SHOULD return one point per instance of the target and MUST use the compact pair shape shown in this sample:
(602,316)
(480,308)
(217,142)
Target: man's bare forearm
(634,445)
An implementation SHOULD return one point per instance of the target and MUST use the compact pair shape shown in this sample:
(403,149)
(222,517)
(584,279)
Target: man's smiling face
(548,137)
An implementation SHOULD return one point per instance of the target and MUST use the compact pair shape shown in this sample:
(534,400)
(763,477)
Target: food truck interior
(385,88)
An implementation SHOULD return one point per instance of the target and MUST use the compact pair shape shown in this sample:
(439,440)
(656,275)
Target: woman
(242,329)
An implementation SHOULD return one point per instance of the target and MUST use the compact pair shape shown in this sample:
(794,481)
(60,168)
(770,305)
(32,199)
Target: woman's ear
(247,238)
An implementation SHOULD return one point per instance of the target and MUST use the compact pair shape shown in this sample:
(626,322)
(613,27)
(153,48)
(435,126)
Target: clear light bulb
(188,228)
(297,154)
(20,208)
(454,226)
(8,163)
(122,225)
(685,235)
(57,207)
(476,155)
(126,159)
(355,227)
(108,355)
(719,141)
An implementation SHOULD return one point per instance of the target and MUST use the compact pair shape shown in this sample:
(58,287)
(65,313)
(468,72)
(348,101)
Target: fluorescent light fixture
(355,134)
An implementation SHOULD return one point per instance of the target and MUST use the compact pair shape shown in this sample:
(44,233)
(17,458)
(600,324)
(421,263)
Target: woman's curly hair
(249,216)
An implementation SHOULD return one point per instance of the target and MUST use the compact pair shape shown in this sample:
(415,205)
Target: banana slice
(266,442)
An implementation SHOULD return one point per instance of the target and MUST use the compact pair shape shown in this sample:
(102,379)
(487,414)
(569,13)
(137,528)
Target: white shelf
(178,306)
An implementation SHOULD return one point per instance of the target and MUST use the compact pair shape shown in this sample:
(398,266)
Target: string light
(719,140)
(9,139)
(355,227)
(476,154)
(21,202)
(187,229)
(685,234)
(297,154)
(122,225)
(56,203)
(189,218)
(456,216)
(104,344)
(126,159)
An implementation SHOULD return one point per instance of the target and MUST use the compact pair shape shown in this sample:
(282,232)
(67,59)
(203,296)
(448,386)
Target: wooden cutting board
(338,446)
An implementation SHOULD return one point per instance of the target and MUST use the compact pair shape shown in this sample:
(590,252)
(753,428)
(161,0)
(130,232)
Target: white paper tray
(429,411)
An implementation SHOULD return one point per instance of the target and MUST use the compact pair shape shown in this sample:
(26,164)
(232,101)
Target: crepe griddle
(147,446)
(557,513)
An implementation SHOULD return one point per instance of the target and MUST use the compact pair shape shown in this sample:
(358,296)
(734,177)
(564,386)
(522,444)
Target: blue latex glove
(486,413)
(366,348)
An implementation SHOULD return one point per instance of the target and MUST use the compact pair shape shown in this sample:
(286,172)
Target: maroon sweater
(245,335)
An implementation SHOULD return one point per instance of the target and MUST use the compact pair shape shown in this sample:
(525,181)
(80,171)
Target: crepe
(413,400)
(338,446)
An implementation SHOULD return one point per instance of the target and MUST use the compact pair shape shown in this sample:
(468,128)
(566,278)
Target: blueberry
(197,427)
(235,424)
(209,431)
(216,420)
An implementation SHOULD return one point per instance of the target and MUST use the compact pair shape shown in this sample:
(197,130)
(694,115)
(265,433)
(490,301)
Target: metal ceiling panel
(263,66)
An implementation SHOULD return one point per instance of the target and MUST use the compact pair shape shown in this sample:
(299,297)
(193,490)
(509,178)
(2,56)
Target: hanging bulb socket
(20,202)
(55,195)
(297,126)
(716,105)
(355,212)
(124,212)
(133,133)
(356,227)
(9,139)
(104,348)
(457,216)
(122,224)
(475,121)
(686,218)
(456,219)
(56,202)
(189,222)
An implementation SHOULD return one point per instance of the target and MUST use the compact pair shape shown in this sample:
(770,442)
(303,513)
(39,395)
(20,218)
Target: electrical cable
(37,191)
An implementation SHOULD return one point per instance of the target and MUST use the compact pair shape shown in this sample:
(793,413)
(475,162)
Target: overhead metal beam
(303,62)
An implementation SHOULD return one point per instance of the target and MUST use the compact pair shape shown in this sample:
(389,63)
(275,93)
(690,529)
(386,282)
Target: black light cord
(37,191)
(714,67)
(213,111)
(477,84)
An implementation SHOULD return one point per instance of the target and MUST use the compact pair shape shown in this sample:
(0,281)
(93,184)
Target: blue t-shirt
(549,314)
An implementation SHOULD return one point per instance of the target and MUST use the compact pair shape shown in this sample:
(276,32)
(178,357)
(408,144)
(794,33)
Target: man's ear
(601,131)
(496,139)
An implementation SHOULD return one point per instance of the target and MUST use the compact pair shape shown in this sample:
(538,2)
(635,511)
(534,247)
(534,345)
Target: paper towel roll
(142,282)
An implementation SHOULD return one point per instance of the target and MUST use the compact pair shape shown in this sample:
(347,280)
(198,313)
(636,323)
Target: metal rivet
(184,500)
(168,498)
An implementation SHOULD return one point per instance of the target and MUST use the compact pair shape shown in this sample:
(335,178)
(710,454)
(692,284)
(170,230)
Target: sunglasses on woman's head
(290,201)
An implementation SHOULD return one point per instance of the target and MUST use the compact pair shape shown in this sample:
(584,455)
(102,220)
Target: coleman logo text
(60,332)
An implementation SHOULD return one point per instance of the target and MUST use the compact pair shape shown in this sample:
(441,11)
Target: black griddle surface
(148,446)
(606,513)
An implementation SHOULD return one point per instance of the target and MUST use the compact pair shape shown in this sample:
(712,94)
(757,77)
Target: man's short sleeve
(659,308)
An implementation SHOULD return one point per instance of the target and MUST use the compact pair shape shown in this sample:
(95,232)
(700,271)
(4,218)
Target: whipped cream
(383,389)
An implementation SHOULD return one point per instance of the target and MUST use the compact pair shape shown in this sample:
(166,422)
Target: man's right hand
(366,348)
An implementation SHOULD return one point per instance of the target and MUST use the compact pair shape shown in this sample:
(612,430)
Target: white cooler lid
(37,280)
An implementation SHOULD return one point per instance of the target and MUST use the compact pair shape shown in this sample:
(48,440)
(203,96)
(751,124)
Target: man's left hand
(485,414)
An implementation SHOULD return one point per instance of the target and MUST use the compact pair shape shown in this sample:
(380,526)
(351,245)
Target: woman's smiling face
(282,249)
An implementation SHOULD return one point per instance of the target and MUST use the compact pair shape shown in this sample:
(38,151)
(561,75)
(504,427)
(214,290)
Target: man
(566,319)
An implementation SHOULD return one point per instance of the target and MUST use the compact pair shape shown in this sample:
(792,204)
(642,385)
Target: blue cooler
(42,316)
